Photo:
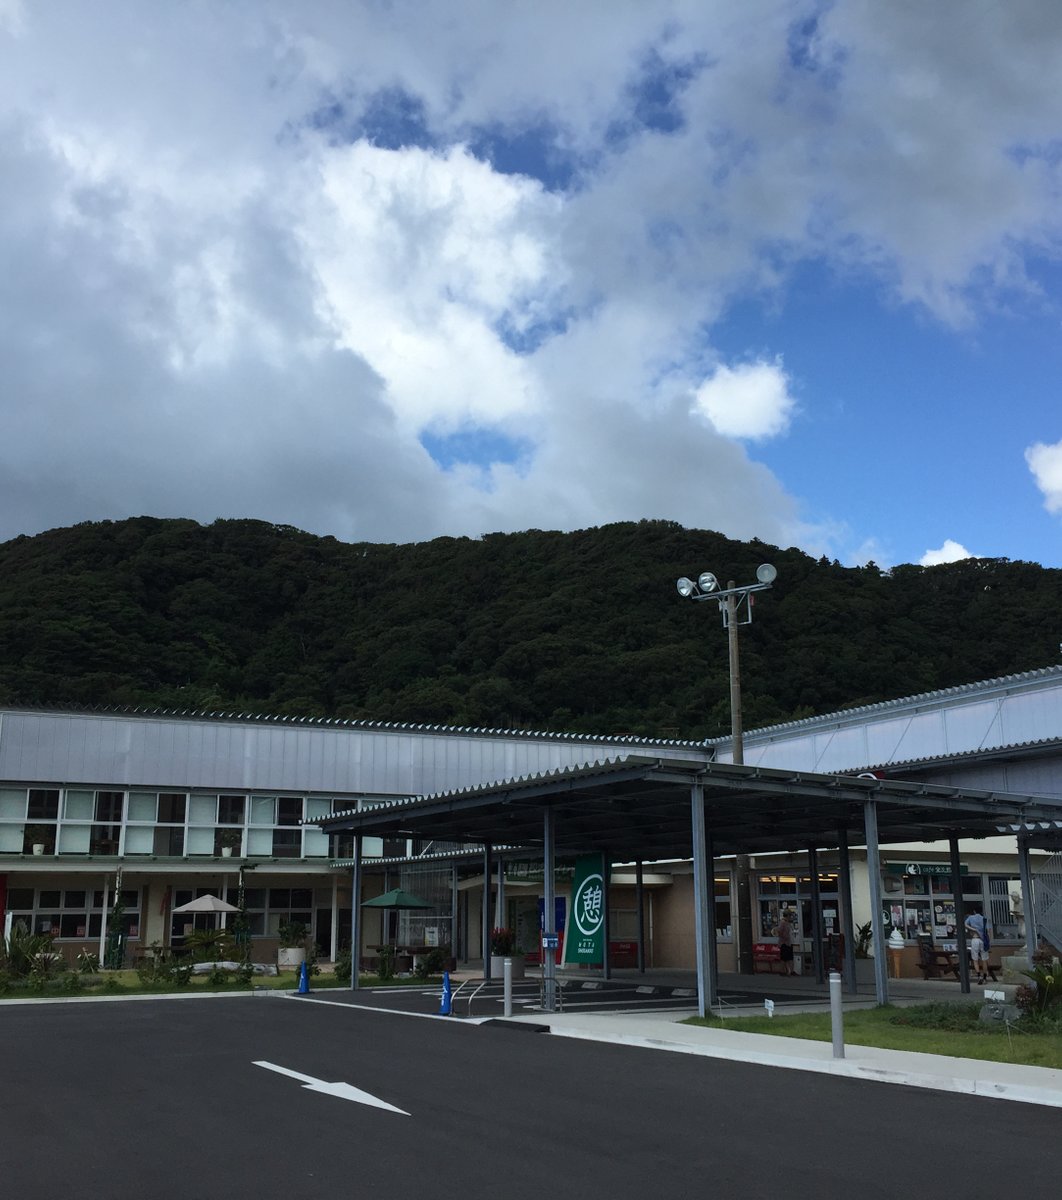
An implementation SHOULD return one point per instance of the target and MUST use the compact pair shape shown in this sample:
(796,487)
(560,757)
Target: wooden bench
(935,963)
(766,952)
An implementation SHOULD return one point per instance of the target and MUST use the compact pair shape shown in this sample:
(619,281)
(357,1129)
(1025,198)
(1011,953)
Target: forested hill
(569,631)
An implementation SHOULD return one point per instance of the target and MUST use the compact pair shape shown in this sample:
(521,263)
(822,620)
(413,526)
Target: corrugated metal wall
(179,754)
(998,713)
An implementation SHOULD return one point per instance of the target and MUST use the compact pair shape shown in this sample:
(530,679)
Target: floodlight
(707,582)
(686,587)
(766,573)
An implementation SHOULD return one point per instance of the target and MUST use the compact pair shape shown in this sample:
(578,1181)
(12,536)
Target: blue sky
(788,270)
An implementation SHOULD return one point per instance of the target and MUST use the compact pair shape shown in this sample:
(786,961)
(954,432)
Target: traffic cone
(447,1003)
(304,981)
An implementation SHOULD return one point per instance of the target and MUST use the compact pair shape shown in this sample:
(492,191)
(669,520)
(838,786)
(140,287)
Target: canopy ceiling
(638,807)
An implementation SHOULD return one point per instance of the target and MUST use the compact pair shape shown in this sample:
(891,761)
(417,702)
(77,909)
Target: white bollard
(507,969)
(836,1015)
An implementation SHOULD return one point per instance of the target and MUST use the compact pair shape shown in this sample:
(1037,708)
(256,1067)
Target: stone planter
(497,966)
(291,957)
(38,848)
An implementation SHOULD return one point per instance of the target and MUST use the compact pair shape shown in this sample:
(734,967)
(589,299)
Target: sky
(390,270)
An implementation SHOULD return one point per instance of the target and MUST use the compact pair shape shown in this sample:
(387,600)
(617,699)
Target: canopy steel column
(639,892)
(844,881)
(713,949)
(355,914)
(103,922)
(549,913)
(1032,936)
(881,977)
(706,991)
(333,943)
(455,897)
(816,915)
(606,925)
(960,915)
(485,914)
(499,910)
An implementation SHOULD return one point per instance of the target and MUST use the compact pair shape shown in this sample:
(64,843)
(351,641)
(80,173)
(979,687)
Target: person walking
(784,933)
(977,929)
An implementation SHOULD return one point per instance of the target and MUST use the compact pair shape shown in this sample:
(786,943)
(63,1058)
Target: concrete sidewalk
(664,1031)
(1002,1081)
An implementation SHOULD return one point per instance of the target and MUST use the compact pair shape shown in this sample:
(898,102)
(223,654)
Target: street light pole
(737,743)
(730,602)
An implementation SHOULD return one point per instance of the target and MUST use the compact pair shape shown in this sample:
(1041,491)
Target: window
(289,904)
(172,807)
(722,909)
(230,810)
(72,915)
(107,830)
(289,811)
(287,843)
(266,908)
(43,805)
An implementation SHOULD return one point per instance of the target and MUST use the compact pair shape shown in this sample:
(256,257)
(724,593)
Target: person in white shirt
(977,931)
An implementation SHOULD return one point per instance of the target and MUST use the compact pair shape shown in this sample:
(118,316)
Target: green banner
(584,937)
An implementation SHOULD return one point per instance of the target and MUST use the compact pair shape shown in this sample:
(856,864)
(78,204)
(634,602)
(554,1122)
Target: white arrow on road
(343,1090)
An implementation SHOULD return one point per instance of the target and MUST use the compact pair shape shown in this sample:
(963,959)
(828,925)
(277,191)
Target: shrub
(502,941)
(1048,980)
(21,949)
(88,963)
(386,965)
(344,962)
(432,963)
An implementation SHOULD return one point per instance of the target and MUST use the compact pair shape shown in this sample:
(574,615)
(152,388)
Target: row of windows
(917,905)
(162,808)
(74,913)
(79,913)
(168,824)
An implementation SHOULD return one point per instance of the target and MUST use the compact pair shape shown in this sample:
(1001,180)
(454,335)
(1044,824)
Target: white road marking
(343,1090)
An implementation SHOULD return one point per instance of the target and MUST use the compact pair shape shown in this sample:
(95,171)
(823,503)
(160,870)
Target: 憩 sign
(585,938)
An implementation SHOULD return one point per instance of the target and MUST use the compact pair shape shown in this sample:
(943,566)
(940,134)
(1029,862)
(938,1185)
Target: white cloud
(1045,463)
(210,308)
(751,400)
(950,552)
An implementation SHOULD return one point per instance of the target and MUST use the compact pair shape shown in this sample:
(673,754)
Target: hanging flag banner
(584,941)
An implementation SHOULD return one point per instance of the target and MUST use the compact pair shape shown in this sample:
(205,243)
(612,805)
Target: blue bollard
(447,1001)
(304,981)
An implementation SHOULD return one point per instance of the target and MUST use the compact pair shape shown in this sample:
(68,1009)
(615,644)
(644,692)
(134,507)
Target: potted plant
(503,946)
(230,840)
(292,951)
(37,837)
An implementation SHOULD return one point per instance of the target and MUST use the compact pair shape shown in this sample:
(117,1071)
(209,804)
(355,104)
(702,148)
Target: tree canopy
(579,631)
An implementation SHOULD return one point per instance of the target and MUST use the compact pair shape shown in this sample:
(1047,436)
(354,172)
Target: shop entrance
(791,893)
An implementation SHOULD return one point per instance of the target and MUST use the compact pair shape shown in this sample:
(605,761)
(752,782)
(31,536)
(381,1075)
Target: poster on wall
(585,940)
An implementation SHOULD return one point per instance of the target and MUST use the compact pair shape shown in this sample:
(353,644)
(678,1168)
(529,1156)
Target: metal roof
(356,723)
(638,807)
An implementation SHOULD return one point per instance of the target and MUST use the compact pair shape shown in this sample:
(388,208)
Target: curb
(843,1067)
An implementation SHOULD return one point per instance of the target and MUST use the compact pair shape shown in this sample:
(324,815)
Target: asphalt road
(162,1099)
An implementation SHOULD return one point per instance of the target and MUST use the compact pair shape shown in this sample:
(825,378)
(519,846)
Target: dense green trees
(581,631)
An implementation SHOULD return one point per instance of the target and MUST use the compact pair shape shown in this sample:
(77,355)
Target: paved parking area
(474,998)
(250,1098)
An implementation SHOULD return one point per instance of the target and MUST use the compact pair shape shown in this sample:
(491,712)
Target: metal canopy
(638,807)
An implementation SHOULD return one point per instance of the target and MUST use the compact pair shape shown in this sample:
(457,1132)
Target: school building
(159,807)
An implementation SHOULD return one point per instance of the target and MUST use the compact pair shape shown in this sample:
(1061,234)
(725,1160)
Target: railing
(1047,900)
